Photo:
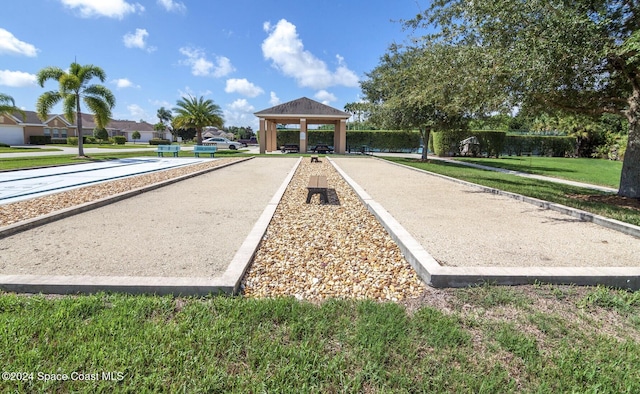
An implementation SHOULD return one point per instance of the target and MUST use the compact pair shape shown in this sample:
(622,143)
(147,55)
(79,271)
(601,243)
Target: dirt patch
(623,202)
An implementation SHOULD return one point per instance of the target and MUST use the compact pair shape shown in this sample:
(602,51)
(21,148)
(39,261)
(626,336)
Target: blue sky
(245,55)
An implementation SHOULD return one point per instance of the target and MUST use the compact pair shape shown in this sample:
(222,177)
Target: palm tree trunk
(79,125)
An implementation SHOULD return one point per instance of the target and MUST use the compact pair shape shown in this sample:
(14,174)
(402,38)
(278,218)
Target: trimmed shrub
(3,145)
(539,145)
(159,141)
(380,140)
(39,139)
(447,143)
(120,139)
(58,140)
(90,140)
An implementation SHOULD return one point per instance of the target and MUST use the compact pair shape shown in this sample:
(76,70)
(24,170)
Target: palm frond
(100,109)
(48,73)
(46,101)
(101,92)
(69,107)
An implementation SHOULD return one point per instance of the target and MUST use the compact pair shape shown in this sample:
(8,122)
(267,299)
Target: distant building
(14,130)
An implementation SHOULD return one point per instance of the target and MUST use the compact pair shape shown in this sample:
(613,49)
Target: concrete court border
(432,273)
(228,283)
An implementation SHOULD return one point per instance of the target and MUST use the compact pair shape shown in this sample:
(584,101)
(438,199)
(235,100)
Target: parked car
(248,141)
(222,143)
(322,148)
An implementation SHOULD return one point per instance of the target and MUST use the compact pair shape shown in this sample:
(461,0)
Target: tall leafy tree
(74,88)
(414,87)
(8,105)
(197,113)
(580,56)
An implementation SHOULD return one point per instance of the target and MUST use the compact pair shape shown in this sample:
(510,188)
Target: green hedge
(447,143)
(556,146)
(39,139)
(382,140)
(495,143)
(120,139)
(159,141)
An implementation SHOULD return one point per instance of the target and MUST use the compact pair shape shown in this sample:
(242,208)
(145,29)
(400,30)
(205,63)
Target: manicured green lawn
(25,149)
(12,163)
(594,171)
(487,339)
(563,194)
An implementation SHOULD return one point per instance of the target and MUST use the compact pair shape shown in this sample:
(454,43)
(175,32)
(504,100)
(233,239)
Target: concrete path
(70,150)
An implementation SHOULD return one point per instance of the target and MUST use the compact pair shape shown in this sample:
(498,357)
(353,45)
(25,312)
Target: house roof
(302,108)
(87,122)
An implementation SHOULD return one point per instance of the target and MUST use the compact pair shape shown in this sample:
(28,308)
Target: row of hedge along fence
(442,143)
(496,143)
(46,139)
(385,141)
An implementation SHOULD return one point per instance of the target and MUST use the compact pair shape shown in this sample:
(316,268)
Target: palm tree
(165,116)
(7,105)
(197,113)
(73,86)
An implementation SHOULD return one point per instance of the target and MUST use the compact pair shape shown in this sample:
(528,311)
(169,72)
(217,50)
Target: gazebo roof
(302,108)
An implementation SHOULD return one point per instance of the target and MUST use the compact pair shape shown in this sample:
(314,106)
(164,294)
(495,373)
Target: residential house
(16,130)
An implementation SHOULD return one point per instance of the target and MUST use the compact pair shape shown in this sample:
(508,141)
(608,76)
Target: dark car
(322,148)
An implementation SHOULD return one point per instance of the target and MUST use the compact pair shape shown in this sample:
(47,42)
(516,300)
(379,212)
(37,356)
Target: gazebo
(302,111)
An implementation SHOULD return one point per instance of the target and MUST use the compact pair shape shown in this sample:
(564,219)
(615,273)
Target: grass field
(13,163)
(597,172)
(486,339)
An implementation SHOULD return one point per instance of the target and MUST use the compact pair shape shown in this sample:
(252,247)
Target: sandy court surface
(462,226)
(191,228)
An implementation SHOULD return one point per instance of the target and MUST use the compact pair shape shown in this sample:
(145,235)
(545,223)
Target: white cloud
(286,51)
(190,92)
(173,6)
(240,113)
(17,79)
(243,87)
(137,40)
(9,44)
(325,97)
(203,67)
(109,8)
(122,83)
(136,113)
(274,100)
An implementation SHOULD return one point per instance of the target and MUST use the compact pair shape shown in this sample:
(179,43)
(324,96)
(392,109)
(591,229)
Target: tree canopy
(8,105)
(197,113)
(575,56)
(74,88)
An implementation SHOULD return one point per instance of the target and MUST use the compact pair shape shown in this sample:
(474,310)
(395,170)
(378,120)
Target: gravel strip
(337,250)
(29,209)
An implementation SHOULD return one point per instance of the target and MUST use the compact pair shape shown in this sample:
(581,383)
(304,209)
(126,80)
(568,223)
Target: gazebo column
(262,135)
(273,136)
(303,135)
(340,136)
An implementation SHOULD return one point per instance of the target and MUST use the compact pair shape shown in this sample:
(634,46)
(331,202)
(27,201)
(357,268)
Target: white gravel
(464,226)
